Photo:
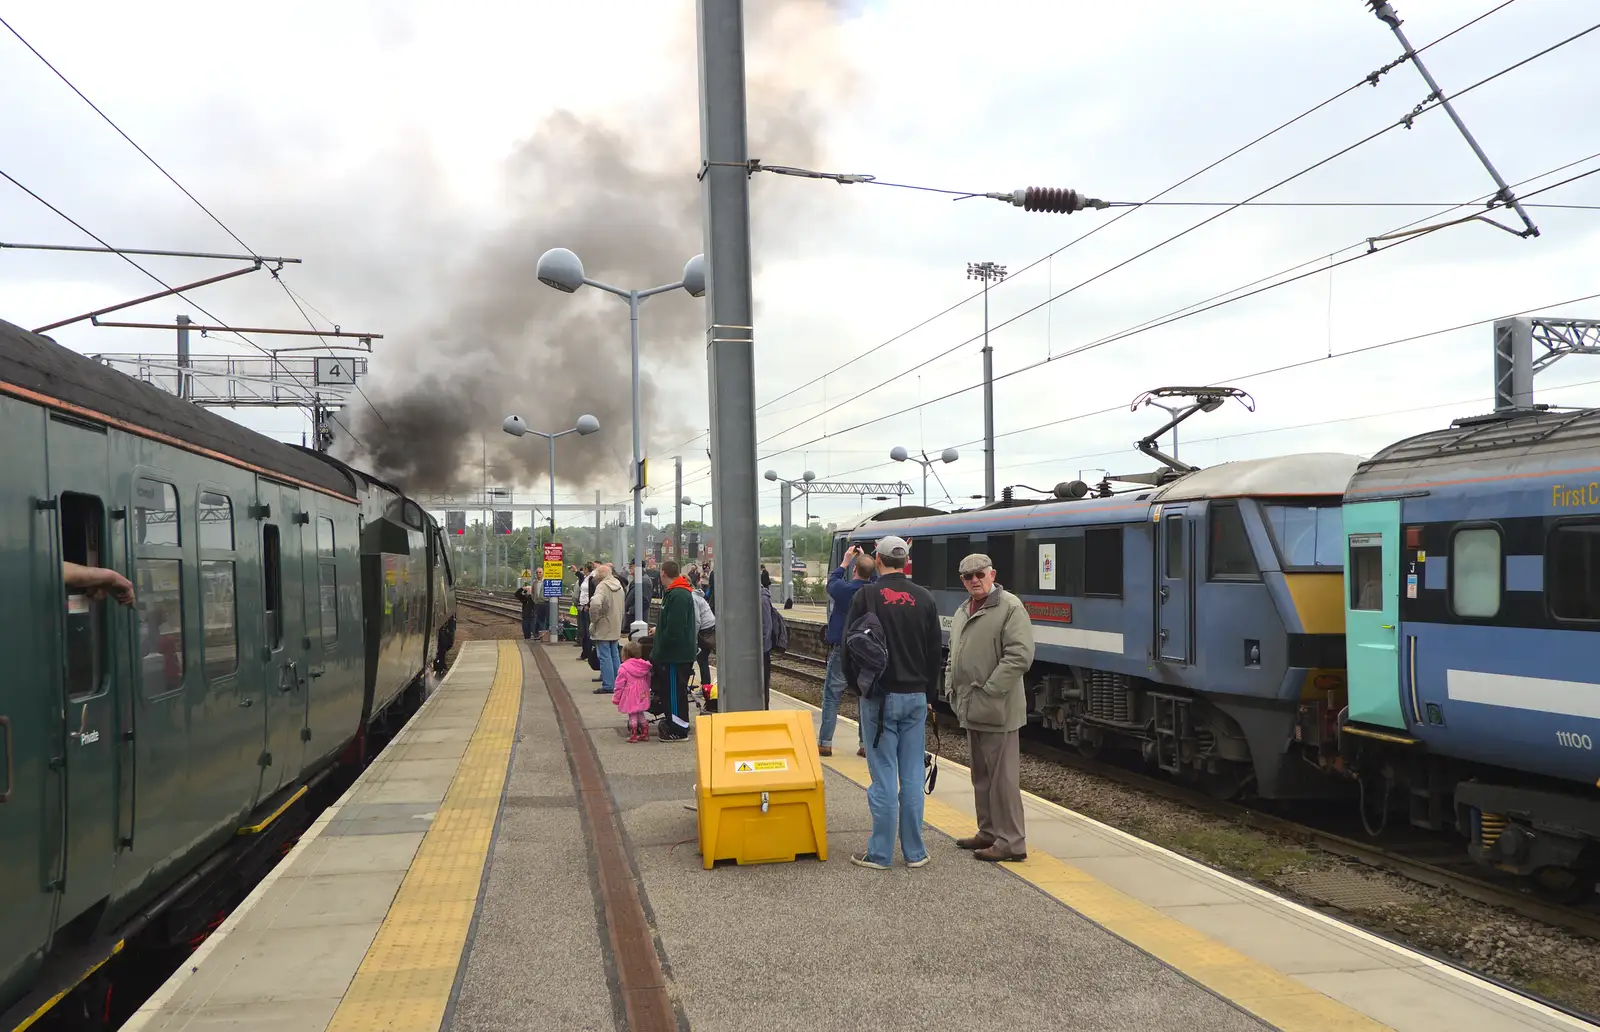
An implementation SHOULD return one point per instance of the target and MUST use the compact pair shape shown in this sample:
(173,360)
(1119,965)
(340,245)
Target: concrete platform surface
(455,886)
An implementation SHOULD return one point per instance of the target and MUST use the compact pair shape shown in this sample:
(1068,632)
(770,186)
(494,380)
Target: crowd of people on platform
(884,644)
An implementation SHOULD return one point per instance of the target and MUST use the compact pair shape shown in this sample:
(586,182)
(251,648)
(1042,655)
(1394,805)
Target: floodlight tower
(987,272)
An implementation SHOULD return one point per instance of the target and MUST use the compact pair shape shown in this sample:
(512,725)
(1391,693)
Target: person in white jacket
(706,621)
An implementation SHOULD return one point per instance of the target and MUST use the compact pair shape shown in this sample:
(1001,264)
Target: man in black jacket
(894,727)
(525,595)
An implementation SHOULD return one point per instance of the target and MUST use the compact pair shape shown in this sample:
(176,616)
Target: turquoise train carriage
(1472,617)
(288,608)
(1196,620)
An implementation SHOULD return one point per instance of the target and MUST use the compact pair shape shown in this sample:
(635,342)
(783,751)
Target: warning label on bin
(759,766)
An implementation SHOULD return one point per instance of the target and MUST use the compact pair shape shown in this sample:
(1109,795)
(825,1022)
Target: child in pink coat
(633,692)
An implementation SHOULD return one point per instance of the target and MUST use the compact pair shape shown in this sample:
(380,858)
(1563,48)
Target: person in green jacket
(991,648)
(672,654)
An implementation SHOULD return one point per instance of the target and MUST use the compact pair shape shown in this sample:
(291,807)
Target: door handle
(1163,592)
(1387,626)
(246,703)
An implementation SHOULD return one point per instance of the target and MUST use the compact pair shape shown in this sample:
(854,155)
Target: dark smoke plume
(626,200)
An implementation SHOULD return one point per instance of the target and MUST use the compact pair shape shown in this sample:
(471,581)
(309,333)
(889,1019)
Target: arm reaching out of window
(97,582)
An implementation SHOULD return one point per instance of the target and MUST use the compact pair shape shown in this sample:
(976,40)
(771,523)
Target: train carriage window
(955,550)
(219,618)
(1102,562)
(1572,571)
(155,512)
(327,581)
(158,594)
(1366,572)
(272,583)
(1002,552)
(82,526)
(1228,555)
(1055,566)
(937,559)
(1475,572)
(216,521)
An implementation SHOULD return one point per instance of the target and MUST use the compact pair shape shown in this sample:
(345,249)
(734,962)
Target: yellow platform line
(404,981)
(1258,988)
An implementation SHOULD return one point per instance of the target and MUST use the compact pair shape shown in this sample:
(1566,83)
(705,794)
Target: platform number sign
(332,370)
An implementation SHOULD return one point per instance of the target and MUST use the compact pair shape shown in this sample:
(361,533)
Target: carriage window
(1475,572)
(216,521)
(272,582)
(1228,555)
(155,512)
(937,558)
(1172,548)
(1002,552)
(1366,572)
(328,581)
(219,618)
(82,520)
(955,550)
(1102,562)
(1572,571)
(1056,566)
(1306,534)
(158,594)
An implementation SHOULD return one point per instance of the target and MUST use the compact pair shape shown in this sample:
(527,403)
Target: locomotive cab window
(1475,572)
(1308,536)
(1172,547)
(1572,571)
(82,542)
(1228,555)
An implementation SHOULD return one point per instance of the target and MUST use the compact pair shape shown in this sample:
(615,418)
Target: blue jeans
(896,765)
(610,656)
(833,684)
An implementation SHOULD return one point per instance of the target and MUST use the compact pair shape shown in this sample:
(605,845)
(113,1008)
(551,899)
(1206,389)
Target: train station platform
(511,861)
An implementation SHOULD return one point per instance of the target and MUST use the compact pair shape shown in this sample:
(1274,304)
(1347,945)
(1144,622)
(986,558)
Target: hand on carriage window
(97,582)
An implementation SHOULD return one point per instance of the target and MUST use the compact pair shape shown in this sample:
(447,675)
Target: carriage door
(285,647)
(1173,605)
(1372,612)
(88,636)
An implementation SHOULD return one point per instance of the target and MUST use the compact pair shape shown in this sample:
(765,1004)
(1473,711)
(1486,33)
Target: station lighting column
(515,426)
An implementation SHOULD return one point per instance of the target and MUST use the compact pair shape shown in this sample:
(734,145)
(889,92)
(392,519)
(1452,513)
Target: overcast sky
(405,151)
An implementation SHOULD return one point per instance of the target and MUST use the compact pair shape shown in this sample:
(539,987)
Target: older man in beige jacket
(991,648)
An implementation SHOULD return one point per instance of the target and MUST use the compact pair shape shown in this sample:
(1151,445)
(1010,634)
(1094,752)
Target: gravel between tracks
(1559,966)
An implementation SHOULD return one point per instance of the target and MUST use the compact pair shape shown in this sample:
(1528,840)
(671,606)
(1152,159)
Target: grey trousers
(996,789)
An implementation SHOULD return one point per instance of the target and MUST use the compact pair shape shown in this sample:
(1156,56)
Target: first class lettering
(1563,496)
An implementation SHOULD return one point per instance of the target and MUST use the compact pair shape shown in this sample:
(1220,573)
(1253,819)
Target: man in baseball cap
(894,720)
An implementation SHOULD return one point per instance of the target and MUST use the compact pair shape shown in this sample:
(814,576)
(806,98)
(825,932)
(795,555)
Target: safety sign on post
(552,570)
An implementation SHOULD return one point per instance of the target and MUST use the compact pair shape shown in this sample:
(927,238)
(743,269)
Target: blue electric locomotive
(1472,610)
(1197,619)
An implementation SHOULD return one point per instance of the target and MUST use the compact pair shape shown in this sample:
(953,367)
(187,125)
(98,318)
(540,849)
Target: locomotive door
(89,636)
(286,646)
(1372,612)
(1174,598)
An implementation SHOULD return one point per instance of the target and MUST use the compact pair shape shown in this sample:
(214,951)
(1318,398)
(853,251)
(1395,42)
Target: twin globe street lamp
(515,426)
(560,268)
(786,529)
(899,454)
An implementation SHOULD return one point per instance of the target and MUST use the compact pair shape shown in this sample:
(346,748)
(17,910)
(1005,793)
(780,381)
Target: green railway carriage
(285,603)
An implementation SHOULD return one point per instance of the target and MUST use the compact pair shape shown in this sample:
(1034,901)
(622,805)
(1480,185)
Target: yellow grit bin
(758,785)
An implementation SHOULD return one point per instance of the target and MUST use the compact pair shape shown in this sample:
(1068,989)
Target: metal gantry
(1515,360)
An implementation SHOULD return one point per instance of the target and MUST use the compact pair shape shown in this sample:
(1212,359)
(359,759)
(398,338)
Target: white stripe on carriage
(1078,638)
(1569,698)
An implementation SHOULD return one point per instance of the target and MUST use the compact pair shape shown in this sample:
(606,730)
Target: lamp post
(560,268)
(899,454)
(987,271)
(698,505)
(785,531)
(514,426)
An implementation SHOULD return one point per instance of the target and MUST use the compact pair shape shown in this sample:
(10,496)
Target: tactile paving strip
(403,984)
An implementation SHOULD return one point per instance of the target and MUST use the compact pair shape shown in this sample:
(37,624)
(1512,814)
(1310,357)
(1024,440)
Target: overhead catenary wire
(1188,311)
(276,273)
(165,285)
(1370,79)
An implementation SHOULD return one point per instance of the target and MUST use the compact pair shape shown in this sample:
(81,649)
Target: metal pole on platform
(483,572)
(596,526)
(730,339)
(677,520)
(183,357)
